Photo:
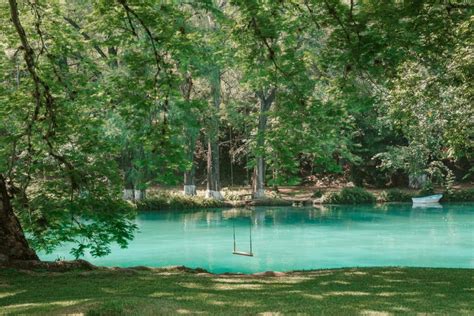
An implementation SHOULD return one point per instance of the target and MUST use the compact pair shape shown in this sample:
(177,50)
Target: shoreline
(84,265)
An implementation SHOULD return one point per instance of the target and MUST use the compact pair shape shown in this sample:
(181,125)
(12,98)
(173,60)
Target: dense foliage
(101,100)
(354,195)
(395,195)
(167,201)
(466,195)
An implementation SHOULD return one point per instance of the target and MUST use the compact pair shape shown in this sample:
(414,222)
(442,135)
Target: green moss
(158,292)
(349,196)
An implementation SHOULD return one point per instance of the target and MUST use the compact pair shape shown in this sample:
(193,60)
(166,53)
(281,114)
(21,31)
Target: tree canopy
(101,100)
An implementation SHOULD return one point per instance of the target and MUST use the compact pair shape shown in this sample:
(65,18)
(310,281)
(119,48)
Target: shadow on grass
(346,291)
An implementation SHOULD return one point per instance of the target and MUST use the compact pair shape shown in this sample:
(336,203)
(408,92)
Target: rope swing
(242,253)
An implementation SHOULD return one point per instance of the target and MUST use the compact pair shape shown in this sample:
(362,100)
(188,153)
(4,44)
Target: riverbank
(363,291)
(172,199)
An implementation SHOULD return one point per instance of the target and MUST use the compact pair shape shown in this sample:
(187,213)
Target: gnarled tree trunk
(13,244)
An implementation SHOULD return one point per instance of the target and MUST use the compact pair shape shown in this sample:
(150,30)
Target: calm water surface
(287,238)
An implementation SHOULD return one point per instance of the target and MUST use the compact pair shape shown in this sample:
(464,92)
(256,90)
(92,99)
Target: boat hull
(427,199)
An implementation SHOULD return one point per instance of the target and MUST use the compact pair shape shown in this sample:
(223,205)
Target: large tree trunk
(13,244)
(258,185)
(213,173)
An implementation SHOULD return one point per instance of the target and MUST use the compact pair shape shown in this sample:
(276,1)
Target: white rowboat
(430,199)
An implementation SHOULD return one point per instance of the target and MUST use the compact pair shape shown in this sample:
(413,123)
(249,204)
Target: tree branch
(129,10)
(85,35)
(41,90)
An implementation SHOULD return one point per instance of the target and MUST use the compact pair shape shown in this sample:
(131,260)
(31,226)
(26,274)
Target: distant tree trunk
(126,166)
(133,183)
(213,181)
(189,182)
(258,185)
(140,178)
(129,191)
(417,181)
(189,176)
(13,244)
(213,173)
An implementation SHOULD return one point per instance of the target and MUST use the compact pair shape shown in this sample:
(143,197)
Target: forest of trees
(101,99)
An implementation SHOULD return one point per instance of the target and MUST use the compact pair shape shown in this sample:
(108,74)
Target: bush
(426,190)
(349,196)
(395,195)
(166,201)
(466,195)
(317,194)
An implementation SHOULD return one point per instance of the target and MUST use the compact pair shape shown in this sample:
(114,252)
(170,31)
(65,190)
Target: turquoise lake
(288,238)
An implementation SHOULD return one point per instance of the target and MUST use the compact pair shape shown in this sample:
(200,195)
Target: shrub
(166,201)
(349,196)
(466,195)
(235,195)
(395,195)
(426,190)
(317,194)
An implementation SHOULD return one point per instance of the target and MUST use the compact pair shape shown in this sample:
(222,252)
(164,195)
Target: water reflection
(302,215)
(428,206)
(287,238)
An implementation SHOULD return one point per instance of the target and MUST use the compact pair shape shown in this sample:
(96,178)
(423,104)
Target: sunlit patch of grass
(346,293)
(228,280)
(268,280)
(392,272)
(387,294)
(375,313)
(270,314)
(187,311)
(191,285)
(401,309)
(17,308)
(6,294)
(367,291)
(394,280)
(381,286)
(239,286)
(160,294)
(214,302)
(355,273)
(334,282)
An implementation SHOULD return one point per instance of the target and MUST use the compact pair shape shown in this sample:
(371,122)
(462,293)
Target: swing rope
(241,253)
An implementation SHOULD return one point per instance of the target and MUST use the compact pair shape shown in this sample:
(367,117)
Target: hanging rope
(241,253)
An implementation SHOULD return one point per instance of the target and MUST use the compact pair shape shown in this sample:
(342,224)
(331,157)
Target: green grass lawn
(364,291)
